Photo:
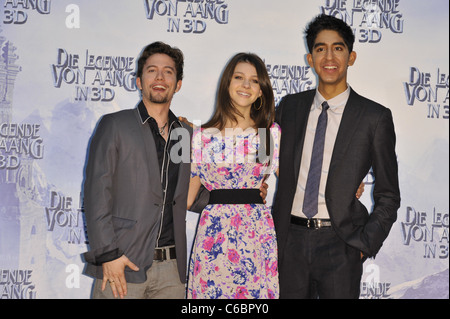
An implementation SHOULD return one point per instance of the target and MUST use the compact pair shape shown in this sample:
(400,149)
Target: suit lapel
(184,168)
(352,116)
(302,114)
(148,143)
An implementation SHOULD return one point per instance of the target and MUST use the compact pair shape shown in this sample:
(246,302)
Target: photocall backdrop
(66,63)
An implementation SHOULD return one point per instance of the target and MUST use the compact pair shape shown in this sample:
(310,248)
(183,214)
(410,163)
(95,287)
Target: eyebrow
(335,43)
(164,67)
(255,75)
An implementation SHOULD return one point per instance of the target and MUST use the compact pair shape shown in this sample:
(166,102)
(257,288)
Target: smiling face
(331,58)
(244,87)
(158,82)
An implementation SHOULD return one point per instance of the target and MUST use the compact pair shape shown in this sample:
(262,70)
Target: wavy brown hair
(161,48)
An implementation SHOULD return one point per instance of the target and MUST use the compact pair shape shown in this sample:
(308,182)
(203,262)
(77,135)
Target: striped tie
(310,202)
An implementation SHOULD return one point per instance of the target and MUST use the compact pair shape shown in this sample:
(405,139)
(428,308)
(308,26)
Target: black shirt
(168,172)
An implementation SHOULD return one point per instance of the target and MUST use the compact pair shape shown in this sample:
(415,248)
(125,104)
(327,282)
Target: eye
(320,49)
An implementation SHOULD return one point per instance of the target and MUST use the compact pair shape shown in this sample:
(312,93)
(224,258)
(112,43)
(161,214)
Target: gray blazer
(123,196)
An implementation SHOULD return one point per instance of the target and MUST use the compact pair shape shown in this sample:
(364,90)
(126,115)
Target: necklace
(161,129)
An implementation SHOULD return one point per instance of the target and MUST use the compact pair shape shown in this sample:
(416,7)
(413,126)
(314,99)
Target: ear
(309,58)
(352,58)
(179,84)
(138,83)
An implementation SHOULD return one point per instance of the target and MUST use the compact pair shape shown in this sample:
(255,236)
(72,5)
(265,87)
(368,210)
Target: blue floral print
(235,253)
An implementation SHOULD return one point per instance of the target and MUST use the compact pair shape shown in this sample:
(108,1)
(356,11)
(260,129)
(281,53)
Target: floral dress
(235,252)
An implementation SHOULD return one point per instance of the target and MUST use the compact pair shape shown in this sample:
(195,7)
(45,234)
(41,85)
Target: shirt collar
(145,117)
(334,103)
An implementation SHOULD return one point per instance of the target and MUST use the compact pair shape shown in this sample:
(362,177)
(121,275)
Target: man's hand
(185,120)
(360,190)
(114,272)
(263,190)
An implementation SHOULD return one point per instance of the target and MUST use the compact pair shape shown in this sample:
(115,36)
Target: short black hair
(326,22)
(162,48)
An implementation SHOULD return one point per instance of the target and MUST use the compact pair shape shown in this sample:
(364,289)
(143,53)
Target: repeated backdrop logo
(20,145)
(94,77)
(429,229)
(289,79)
(430,90)
(17,11)
(188,16)
(369,18)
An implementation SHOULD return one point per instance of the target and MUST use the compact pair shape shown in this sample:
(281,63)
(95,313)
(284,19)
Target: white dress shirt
(337,105)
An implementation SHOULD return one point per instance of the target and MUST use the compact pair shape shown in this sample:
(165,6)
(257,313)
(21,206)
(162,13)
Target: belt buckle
(314,223)
(318,224)
(160,254)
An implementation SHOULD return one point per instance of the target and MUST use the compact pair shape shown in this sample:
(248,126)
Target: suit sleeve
(201,201)
(386,191)
(279,111)
(202,198)
(98,193)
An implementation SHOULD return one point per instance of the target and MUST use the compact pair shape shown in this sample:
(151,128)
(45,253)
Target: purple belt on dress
(235,196)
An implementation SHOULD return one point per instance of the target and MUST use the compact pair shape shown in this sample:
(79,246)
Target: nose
(246,83)
(329,54)
(159,75)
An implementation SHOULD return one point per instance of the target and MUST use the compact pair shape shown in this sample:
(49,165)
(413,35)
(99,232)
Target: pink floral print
(235,252)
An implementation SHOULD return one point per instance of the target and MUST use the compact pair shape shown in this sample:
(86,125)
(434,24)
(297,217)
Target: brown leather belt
(165,253)
(313,223)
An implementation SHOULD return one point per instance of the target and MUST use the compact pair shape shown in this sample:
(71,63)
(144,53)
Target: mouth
(330,67)
(159,88)
(243,94)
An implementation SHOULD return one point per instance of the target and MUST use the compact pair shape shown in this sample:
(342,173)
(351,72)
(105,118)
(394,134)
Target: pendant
(162,130)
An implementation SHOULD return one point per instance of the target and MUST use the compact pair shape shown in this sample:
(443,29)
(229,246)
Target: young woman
(235,253)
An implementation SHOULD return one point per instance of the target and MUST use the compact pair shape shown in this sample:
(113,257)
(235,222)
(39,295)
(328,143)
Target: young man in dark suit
(331,137)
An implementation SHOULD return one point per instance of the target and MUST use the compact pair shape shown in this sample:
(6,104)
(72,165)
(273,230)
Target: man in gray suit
(135,194)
